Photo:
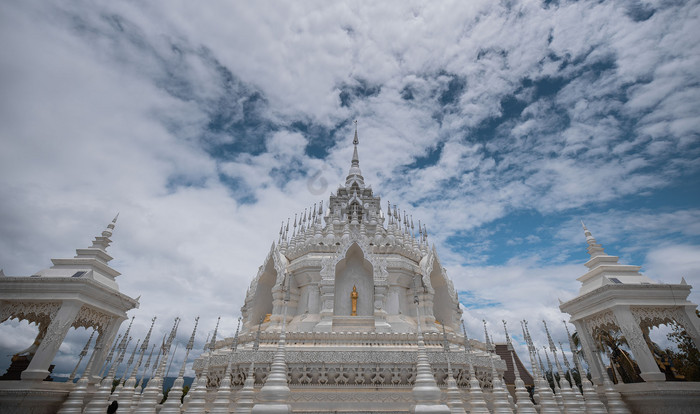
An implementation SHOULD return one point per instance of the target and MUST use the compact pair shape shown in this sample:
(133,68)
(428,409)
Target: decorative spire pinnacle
(524,406)
(355,175)
(486,335)
(454,396)
(500,395)
(505,329)
(102,242)
(110,227)
(548,403)
(102,372)
(172,405)
(355,141)
(150,397)
(594,249)
(224,395)
(82,354)
(213,337)
(147,365)
(591,400)
(477,403)
(563,386)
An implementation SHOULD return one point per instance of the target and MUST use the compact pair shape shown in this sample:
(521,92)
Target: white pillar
(691,324)
(38,368)
(589,351)
(380,323)
(327,303)
(635,339)
(106,338)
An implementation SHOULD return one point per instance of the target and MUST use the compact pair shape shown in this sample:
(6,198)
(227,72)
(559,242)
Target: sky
(500,125)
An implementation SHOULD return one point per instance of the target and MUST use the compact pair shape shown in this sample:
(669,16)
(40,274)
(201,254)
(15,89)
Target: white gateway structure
(351,284)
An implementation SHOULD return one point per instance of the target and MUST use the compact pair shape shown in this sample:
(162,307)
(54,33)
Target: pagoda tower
(344,270)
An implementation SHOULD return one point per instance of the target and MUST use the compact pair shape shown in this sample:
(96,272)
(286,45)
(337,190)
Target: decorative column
(589,351)
(104,338)
(691,322)
(380,323)
(635,339)
(592,403)
(38,368)
(277,305)
(426,307)
(313,305)
(327,289)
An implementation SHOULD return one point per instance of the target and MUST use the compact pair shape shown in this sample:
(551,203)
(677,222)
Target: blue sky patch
(471,300)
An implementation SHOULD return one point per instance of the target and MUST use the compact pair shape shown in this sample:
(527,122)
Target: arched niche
(442,301)
(354,270)
(262,301)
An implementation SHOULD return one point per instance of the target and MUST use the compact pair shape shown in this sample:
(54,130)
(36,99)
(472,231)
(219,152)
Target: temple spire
(355,175)
(355,141)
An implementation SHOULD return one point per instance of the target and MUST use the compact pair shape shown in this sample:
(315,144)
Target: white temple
(358,279)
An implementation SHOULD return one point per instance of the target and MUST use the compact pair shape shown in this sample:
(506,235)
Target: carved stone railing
(382,339)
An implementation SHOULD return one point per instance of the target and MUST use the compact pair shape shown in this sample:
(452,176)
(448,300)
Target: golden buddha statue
(353,298)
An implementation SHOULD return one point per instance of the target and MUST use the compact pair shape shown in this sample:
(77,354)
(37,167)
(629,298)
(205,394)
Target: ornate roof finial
(110,226)
(102,242)
(508,341)
(594,249)
(355,175)
(355,141)
(174,404)
(486,334)
(355,157)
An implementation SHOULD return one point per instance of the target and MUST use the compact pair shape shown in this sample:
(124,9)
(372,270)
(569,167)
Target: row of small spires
(122,342)
(566,395)
(313,216)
